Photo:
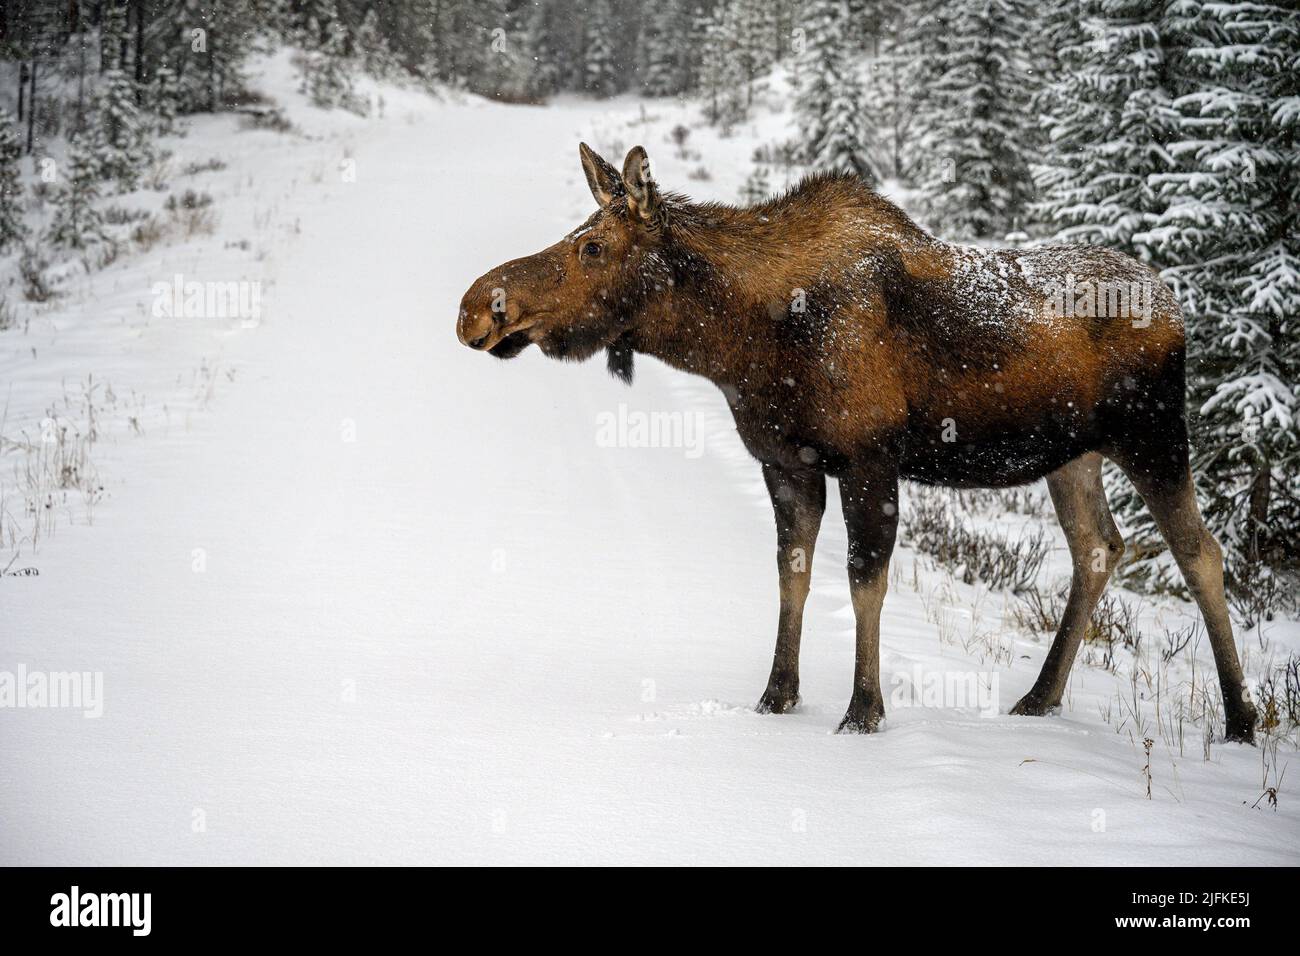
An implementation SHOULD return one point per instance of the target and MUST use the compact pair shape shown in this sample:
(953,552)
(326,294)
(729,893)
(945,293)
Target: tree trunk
(31,109)
(139,51)
(212,66)
(81,75)
(1261,488)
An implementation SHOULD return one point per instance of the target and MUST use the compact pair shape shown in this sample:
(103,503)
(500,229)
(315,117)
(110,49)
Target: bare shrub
(31,268)
(1114,624)
(1037,610)
(191,213)
(264,117)
(149,233)
(187,200)
(213,165)
(933,528)
(120,216)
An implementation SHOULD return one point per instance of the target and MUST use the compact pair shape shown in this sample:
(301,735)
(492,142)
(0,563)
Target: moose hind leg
(1170,496)
(1095,549)
(870,501)
(798,501)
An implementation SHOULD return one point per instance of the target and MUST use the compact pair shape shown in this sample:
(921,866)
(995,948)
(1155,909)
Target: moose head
(584,293)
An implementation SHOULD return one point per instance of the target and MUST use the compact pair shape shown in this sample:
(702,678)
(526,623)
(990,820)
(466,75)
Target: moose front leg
(869,497)
(798,499)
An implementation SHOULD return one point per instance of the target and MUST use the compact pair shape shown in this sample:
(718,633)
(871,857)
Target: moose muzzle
(474,327)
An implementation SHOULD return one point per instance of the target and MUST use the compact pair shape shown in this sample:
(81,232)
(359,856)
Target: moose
(850,343)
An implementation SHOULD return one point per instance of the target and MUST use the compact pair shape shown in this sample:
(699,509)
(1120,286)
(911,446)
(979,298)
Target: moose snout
(474,327)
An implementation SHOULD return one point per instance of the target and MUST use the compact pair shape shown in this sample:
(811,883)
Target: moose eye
(591,249)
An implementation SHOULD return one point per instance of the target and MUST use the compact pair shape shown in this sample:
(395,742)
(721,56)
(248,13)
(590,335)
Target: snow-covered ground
(361,595)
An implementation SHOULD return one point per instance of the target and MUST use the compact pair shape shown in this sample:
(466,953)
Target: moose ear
(603,178)
(642,194)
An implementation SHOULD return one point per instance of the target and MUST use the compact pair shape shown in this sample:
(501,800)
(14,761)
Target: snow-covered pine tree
(506,66)
(600,73)
(307,20)
(831,106)
(166,100)
(867,24)
(820,26)
(889,93)
(120,143)
(662,48)
(752,28)
(549,34)
(12,227)
(429,63)
(1230,240)
(976,133)
(920,49)
(206,41)
(1104,108)
(718,77)
(372,47)
(757,186)
(76,223)
(327,71)
(112,36)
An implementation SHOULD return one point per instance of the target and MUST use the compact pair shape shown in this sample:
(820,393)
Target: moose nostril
(478,342)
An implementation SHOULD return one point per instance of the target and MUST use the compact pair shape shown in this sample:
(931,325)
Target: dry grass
(932,526)
(53,473)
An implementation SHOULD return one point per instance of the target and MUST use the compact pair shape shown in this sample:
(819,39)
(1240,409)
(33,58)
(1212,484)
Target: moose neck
(737,272)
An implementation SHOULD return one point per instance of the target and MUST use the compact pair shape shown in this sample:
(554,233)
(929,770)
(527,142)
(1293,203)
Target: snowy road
(392,601)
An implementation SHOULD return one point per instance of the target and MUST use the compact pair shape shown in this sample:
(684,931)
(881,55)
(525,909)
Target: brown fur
(851,343)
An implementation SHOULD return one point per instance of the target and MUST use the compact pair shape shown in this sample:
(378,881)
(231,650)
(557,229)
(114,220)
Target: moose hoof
(777,700)
(1241,726)
(862,719)
(1031,705)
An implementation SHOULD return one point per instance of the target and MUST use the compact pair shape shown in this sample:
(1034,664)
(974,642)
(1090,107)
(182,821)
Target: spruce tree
(372,47)
(757,186)
(1104,110)
(1230,234)
(831,107)
(12,227)
(600,74)
(752,26)
(327,75)
(890,95)
(662,46)
(166,101)
(76,223)
(548,33)
(120,141)
(112,36)
(505,67)
(976,132)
